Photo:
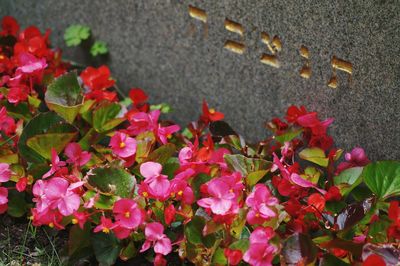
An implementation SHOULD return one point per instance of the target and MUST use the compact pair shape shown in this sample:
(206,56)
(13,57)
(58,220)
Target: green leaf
(197,181)
(65,96)
(42,124)
(112,180)
(348,179)
(104,117)
(78,239)
(244,165)
(128,252)
(383,178)
(162,154)
(17,205)
(288,136)
(329,260)
(98,48)
(163,107)
(194,229)
(75,34)
(106,248)
(42,144)
(256,176)
(103,202)
(144,145)
(241,244)
(219,257)
(315,155)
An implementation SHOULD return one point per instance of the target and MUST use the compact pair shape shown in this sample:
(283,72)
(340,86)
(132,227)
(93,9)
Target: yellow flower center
(180,193)
(122,145)
(127,214)
(1,56)
(51,225)
(51,165)
(74,221)
(169,136)
(106,230)
(172,194)
(145,194)
(231,190)
(257,214)
(211,110)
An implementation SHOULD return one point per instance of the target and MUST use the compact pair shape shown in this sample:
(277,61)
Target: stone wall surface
(178,59)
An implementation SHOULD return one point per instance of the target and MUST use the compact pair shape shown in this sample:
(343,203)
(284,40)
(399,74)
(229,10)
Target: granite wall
(216,50)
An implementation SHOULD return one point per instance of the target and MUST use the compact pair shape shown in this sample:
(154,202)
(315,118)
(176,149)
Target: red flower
(234,256)
(97,79)
(333,194)
(394,215)
(317,200)
(374,260)
(138,96)
(9,26)
(294,112)
(210,115)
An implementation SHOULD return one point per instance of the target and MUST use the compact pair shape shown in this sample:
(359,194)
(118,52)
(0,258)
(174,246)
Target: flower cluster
(79,157)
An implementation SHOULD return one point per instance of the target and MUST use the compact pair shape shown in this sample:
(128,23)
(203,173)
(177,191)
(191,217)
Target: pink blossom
(128,214)
(29,63)
(120,231)
(7,124)
(80,218)
(5,172)
(3,195)
(222,199)
(142,122)
(21,184)
(356,157)
(260,252)
(75,154)
(260,202)
(106,225)
(55,165)
(156,237)
(181,190)
(122,145)
(158,184)
(164,133)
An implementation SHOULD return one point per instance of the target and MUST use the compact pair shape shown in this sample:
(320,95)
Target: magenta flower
(61,195)
(76,155)
(5,172)
(260,252)
(55,165)
(122,145)
(260,202)
(7,124)
(158,184)
(181,190)
(356,157)
(222,198)
(164,133)
(142,122)
(155,236)
(106,225)
(3,195)
(29,63)
(128,214)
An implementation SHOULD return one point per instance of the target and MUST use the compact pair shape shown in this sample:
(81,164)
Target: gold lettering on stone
(198,14)
(231,45)
(274,46)
(339,64)
(305,71)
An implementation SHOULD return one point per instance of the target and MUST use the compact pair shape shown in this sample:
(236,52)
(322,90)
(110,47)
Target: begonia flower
(21,184)
(106,225)
(7,123)
(75,154)
(155,236)
(29,63)
(164,133)
(260,252)
(97,78)
(234,256)
(9,26)
(122,145)
(128,214)
(261,202)
(5,172)
(209,114)
(356,157)
(55,165)
(158,184)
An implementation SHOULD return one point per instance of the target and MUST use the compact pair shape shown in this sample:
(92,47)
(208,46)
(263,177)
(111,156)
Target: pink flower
(122,145)
(260,202)
(3,195)
(260,252)
(5,172)
(181,190)
(7,124)
(128,214)
(142,122)
(222,199)
(164,133)
(29,63)
(55,165)
(80,218)
(356,157)
(106,225)
(156,237)
(21,184)
(61,195)
(76,155)
(158,184)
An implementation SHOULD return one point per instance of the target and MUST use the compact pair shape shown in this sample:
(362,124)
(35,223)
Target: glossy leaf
(315,155)
(246,165)
(383,178)
(353,213)
(288,136)
(299,248)
(106,248)
(17,205)
(111,180)
(162,154)
(348,179)
(254,177)
(42,144)
(390,254)
(194,229)
(65,96)
(104,117)
(144,145)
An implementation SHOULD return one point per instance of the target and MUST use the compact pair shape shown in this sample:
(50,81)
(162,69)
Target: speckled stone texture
(153,47)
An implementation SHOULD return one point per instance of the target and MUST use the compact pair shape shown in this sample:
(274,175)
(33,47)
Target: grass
(24,244)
